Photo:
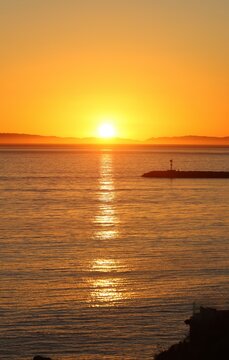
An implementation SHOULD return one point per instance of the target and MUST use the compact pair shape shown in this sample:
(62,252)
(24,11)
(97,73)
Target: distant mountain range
(13,138)
(189,140)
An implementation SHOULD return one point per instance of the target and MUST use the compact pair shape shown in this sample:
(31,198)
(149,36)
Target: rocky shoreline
(208,338)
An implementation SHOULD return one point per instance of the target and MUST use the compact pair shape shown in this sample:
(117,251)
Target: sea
(97,262)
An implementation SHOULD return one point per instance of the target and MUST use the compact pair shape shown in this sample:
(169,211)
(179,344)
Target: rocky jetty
(177,174)
(208,338)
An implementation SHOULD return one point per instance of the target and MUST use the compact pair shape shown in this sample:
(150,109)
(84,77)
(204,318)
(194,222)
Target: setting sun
(106,131)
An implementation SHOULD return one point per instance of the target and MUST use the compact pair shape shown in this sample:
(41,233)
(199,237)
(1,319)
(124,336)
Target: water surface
(97,262)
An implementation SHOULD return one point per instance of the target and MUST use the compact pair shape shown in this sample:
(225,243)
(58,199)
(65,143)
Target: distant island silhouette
(28,139)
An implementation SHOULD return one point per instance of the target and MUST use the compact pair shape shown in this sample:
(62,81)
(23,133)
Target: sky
(151,68)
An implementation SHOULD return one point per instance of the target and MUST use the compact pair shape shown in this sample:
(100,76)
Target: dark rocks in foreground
(208,338)
(39,357)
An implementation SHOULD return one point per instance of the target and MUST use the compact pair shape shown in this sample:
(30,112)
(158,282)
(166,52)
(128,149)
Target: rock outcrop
(208,338)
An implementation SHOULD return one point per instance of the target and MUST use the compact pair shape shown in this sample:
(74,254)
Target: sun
(106,131)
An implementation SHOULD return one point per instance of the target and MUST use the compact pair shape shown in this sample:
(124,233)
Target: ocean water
(97,262)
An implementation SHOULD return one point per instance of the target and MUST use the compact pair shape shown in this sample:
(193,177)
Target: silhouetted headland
(208,338)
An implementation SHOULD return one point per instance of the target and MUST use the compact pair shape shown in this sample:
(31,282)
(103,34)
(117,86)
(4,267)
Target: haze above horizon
(139,68)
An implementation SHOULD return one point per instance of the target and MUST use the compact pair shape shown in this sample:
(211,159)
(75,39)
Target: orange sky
(152,68)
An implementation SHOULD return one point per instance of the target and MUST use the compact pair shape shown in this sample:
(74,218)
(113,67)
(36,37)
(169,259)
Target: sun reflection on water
(105,265)
(106,292)
(107,287)
(106,216)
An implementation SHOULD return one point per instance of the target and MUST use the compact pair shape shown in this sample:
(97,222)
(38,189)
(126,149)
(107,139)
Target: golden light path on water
(108,287)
